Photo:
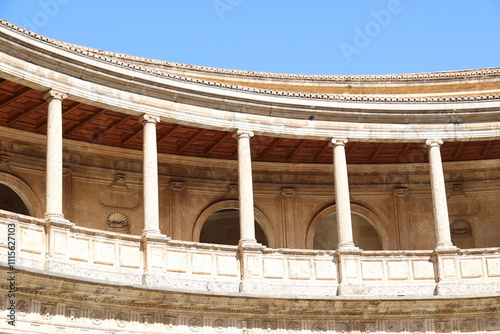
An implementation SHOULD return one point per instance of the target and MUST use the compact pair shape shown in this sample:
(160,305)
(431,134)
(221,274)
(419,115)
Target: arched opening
(11,201)
(364,234)
(223,227)
(461,234)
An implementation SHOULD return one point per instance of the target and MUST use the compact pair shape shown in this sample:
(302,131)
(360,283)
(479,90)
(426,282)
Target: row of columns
(54,179)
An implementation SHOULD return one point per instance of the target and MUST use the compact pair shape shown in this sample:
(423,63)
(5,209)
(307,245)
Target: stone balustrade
(62,249)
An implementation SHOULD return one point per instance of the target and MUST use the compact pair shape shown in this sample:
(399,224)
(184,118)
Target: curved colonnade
(83,278)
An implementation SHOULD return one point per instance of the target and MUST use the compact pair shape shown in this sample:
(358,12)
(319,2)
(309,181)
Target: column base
(58,219)
(446,248)
(250,245)
(154,235)
(351,248)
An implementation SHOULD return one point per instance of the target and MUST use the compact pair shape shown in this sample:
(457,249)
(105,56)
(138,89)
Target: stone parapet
(74,279)
(89,254)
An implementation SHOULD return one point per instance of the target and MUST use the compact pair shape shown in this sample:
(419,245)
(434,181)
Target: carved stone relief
(22,307)
(97,317)
(219,325)
(47,311)
(442,326)
(268,325)
(195,324)
(393,326)
(121,319)
(293,327)
(72,313)
(147,319)
(169,321)
(343,327)
(367,327)
(118,219)
(245,327)
(318,328)
(493,323)
(118,195)
(459,204)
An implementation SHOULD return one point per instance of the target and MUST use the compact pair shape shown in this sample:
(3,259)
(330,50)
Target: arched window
(11,201)
(364,234)
(461,233)
(223,227)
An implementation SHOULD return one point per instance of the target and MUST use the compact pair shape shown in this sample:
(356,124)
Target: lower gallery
(144,196)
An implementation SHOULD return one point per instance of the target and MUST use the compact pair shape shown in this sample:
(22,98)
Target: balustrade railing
(88,254)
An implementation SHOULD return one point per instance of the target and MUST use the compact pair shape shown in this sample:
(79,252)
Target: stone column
(245,188)
(441,220)
(150,175)
(54,179)
(342,200)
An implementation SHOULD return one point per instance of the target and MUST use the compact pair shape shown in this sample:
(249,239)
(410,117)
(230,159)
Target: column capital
(433,143)
(54,95)
(148,118)
(337,142)
(243,134)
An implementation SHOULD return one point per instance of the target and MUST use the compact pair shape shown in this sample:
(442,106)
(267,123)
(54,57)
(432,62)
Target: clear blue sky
(290,36)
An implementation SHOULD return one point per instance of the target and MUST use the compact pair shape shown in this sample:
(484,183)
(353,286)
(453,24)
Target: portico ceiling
(24,108)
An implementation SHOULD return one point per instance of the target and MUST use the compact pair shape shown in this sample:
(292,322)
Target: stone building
(144,196)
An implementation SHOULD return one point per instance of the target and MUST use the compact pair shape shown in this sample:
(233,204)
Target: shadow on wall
(11,201)
(365,236)
(223,227)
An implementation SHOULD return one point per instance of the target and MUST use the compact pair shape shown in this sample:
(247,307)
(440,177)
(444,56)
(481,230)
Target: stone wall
(289,199)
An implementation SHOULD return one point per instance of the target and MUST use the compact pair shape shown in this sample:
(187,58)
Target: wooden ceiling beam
(27,112)
(70,109)
(270,148)
(351,150)
(487,149)
(190,141)
(459,150)
(168,133)
(17,95)
(297,149)
(376,153)
(132,136)
(322,152)
(405,150)
(85,121)
(218,143)
(112,127)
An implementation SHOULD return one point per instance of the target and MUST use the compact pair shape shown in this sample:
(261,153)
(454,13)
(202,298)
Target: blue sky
(292,36)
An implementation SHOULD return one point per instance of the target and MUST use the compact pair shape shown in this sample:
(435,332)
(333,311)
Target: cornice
(145,65)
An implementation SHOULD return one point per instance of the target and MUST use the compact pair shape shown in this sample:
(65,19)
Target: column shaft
(54,178)
(343,203)
(150,174)
(439,201)
(245,188)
